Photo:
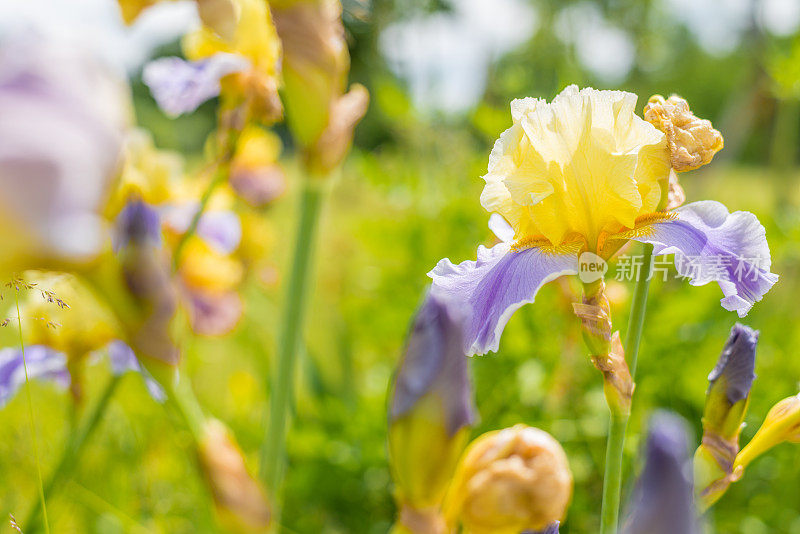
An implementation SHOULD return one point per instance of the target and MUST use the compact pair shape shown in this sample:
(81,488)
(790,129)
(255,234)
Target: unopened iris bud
(508,481)
(663,500)
(151,291)
(782,424)
(692,141)
(726,406)
(316,63)
(240,499)
(430,414)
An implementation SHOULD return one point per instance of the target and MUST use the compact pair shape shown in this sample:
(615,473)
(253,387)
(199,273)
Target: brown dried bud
(692,141)
(509,481)
(221,16)
(237,494)
(334,143)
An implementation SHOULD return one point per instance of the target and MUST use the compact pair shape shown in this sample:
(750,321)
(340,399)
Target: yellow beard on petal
(582,165)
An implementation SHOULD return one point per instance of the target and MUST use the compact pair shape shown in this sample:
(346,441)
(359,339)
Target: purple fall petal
(433,362)
(737,363)
(663,502)
(712,245)
(123,359)
(220,229)
(42,362)
(496,285)
(180,86)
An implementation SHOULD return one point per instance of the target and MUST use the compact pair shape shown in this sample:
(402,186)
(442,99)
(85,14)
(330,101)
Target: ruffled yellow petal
(584,164)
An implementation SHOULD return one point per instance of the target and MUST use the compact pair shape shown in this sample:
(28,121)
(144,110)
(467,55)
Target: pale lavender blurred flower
(62,117)
(221,229)
(663,502)
(180,86)
(123,359)
(434,362)
(43,363)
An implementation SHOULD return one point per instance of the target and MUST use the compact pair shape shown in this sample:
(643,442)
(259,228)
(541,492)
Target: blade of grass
(31,416)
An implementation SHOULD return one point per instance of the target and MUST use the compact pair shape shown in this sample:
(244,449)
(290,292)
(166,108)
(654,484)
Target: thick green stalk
(636,321)
(273,451)
(612,481)
(72,450)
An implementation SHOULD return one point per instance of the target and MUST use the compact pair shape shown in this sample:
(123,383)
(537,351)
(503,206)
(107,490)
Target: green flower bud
(727,399)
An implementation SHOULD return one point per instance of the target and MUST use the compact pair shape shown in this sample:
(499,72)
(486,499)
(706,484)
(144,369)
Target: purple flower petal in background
(737,363)
(214,314)
(123,359)
(138,222)
(220,229)
(501,281)
(663,501)
(435,363)
(712,245)
(42,362)
(180,86)
(62,118)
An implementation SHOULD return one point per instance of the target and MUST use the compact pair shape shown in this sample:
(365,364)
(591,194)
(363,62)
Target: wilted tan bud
(315,67)
(221,16)
(238,496)
(692,141)
(509,481)
(334,143)
(675,194)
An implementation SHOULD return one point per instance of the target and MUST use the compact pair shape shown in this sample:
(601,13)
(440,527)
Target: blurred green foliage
(407,197)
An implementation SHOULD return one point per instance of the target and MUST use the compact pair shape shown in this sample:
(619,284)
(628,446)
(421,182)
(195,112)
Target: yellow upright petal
(582,165)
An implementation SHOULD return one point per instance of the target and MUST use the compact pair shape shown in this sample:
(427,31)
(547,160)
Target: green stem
(73,449)
(31,416)
(612,481)
(181,397)
(636,321)
(273,451)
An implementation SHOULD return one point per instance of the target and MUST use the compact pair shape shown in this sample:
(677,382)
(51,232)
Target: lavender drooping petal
(737,363)
(434,362)
(180,86)
(42,363)
(220,229)
(663,501)
(123,359)
(712,245)
(496,285)
(62,118)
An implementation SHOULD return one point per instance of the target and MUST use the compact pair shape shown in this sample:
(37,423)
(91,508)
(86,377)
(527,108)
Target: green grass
(392,215)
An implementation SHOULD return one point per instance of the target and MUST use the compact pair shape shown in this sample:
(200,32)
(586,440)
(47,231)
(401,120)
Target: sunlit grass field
(393,213)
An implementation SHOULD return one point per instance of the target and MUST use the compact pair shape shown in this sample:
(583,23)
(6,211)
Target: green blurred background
(441,75)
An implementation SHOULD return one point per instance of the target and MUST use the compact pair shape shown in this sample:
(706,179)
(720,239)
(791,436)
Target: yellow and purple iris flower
(584,173)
